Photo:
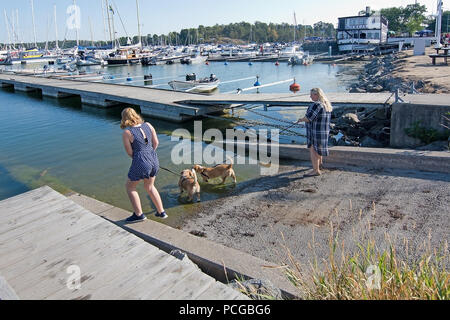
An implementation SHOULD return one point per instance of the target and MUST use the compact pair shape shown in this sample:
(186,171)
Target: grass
(371,270)
(372,273)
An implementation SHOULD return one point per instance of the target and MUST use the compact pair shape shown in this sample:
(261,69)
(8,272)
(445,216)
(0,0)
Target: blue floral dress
(145,163)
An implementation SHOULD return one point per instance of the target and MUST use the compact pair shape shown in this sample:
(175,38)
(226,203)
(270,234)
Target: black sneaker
(162,215)
(134,218)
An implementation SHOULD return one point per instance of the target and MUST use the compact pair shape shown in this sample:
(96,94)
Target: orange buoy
(207,63)
(295,87)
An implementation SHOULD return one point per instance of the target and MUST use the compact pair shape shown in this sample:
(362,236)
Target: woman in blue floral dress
(141,141)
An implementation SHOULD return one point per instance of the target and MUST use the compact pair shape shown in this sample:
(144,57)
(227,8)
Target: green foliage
(405,19)
(445,23)
(426,135)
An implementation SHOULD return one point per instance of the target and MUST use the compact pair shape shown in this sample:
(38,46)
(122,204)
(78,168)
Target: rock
(368,142)
(257,289)
(368,124)
(183,257)
(349,118)
(436,146)
(380,114)
(377,88)
(357,90)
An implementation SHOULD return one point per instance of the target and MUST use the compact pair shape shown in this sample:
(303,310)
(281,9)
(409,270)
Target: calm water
(70,146)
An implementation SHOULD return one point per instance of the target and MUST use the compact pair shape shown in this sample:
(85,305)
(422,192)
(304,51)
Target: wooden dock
(49,245)
(182,106)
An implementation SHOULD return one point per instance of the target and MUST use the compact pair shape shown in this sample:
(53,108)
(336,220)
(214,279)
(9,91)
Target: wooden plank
(221,292)
(55,242)
(164,279)
(6,292)
(35,198)
(136,273)
(37,216)
(115,267)
(26,195)
(188,288)
(51,275)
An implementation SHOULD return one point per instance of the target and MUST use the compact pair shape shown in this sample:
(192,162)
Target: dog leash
(165,169)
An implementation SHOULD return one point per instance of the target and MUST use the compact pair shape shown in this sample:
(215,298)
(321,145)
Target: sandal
(309,175)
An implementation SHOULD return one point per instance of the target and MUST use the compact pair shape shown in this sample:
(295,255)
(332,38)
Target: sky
(162,17)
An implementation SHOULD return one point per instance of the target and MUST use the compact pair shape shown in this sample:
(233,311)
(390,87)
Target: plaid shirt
(318,129)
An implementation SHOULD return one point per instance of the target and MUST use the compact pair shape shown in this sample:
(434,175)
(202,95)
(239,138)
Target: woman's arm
(154,137)
(126,136)
(303,120)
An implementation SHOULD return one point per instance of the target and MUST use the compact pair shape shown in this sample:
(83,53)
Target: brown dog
(189,183)
(220,171)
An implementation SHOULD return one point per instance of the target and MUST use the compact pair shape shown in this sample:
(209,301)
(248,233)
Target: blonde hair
(130,118)
(323,99)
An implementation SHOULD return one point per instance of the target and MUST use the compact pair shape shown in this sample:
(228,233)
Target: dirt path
(415,68)
(358,202)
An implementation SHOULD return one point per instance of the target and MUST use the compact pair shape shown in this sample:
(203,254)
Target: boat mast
(34,24)
(76,29)
(109,23)
(90,27)
(7,28)
(56,29)
(104,21)
(139,24)
(295,25)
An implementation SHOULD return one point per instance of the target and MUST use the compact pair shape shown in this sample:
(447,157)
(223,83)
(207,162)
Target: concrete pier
(428,115)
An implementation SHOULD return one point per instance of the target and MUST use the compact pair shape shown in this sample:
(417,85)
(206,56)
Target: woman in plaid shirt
(318,119)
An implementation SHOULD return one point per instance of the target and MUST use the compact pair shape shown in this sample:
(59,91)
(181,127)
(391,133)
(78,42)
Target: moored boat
(191,84)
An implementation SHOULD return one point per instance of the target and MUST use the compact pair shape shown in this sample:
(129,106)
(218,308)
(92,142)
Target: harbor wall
(406,116)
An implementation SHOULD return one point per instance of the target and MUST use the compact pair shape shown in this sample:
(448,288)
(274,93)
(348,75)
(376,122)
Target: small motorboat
(191,84)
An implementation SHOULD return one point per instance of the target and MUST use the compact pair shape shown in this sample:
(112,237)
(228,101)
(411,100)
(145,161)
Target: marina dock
(181,106)
(53,248)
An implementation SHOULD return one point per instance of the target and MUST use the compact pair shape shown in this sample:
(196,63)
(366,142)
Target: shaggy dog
(220,171)
(189,183)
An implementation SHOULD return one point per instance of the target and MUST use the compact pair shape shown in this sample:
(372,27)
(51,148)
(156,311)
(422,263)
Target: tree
(445,22)
(405,19)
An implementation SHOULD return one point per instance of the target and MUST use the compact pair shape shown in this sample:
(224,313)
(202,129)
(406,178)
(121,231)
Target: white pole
(7,27)
(76,29)
(13,24)
(104,21)
(109,23)
(438,24)
(92,35)
(34,24)
(139,24)
(56,29)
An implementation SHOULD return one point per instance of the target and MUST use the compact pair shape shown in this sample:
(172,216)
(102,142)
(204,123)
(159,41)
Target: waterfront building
(362,33)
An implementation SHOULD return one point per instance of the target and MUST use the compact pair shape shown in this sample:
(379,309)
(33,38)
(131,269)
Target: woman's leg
(315,159)
(149,185)
(134,197)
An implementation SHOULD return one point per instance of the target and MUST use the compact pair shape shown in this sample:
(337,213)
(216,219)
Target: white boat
(193,85)
(304,59)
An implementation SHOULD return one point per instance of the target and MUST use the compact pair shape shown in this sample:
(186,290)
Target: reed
(372,273)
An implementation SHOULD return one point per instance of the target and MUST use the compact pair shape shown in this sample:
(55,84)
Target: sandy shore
(416,68)
(358,202)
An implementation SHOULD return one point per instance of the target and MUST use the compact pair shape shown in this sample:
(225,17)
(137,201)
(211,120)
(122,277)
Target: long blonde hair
(323,99)
(130,118)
